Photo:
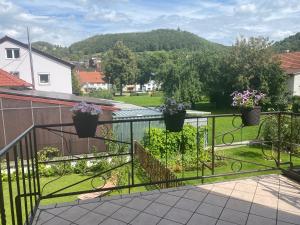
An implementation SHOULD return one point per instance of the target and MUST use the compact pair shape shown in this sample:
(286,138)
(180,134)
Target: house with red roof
(92,80)
(9,80)
(290,63)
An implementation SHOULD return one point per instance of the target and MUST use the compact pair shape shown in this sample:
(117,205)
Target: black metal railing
(22,186)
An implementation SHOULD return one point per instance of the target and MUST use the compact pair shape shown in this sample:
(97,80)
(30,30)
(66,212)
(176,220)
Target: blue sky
(66,21)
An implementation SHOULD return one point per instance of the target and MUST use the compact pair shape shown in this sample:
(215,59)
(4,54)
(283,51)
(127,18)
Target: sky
(64,22)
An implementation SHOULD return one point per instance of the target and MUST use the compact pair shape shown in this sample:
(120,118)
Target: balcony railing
(222,147)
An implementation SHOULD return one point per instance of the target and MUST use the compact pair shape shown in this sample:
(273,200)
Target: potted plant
(85,117)
(174,115)
(248,101)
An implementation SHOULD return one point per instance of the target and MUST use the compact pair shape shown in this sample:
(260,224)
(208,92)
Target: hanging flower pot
(85,125)
(251,117)
(85,118)
(248,102)
(174,123)
(174,115)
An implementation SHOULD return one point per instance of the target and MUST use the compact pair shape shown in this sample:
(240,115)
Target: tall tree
(120,66)
(180,79)
(75,84)
(251,64)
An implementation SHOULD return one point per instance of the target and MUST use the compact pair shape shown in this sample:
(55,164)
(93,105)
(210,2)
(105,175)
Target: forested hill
(291,43)
(156,40)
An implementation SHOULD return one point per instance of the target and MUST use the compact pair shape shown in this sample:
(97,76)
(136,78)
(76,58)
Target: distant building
(50,73)
(151,85)
(290,63)
(90,81)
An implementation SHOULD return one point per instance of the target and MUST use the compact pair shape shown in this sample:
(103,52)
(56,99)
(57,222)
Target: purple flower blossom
(172,107)
(247,98)
(86,108)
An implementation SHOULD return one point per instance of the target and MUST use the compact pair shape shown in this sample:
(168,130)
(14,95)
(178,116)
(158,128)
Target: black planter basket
(85,125)
(251,117)
(174,123)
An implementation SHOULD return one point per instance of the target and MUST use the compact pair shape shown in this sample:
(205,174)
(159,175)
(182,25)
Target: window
(15,73)
(44,78)
(12,53)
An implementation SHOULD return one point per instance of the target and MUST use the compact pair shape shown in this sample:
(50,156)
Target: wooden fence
(154,168)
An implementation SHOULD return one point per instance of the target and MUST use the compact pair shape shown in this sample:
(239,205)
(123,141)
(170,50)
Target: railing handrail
(16,140)
(160,119)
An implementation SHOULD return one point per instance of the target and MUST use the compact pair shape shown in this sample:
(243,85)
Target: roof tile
(9,80)
(91,77)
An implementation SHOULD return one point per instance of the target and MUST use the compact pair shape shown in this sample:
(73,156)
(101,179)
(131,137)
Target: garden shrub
(270,132)
(139,94)
(296,104)
(106,94)
(177,144)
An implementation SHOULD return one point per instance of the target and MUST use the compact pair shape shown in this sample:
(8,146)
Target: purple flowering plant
(247,99)
(172,107)
(85,108)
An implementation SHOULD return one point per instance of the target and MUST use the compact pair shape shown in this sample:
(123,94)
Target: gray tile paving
(264,200)
(179,215)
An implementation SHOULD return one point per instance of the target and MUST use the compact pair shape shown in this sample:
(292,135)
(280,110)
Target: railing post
(17,198)
(12,211)
(3,216)
(132,153)
(197,144)
(213,145)
(279,139)
(36,163)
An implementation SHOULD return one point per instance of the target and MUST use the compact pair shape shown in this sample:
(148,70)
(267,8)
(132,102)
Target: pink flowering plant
(247,99)
(172,107)
(85,108)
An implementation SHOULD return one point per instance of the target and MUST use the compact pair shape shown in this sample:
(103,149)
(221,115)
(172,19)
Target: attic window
(12,53)
(44,78)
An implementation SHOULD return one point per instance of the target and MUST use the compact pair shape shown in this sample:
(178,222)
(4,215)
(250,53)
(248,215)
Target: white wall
(296,90)
(60,74)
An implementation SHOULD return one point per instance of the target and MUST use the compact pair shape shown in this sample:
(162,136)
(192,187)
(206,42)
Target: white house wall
(297,84)
(60,74)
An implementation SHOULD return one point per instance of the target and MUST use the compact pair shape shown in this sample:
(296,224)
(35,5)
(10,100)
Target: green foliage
(291,43)
(81,166)
(156,40)
(75,84)
(120,65)
(139,94)
(106,94)
(289,132)
(296,104)
(251,65)
(176,144)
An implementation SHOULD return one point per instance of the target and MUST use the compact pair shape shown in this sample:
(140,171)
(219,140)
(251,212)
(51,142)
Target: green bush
(289,132)
(139,94)
(177,144)
(106,94)
(296,104)
(157,94)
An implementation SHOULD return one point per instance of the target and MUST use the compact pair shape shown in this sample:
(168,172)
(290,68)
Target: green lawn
(141,100)
(250,154)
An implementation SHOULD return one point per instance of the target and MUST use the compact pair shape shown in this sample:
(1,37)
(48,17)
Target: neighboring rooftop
(290,62)
(91,77)
(9,80)
(54,96)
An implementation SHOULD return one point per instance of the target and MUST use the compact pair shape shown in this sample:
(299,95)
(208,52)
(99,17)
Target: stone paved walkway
(265,200)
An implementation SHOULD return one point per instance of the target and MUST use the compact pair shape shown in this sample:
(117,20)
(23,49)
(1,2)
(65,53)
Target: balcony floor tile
(269,199)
